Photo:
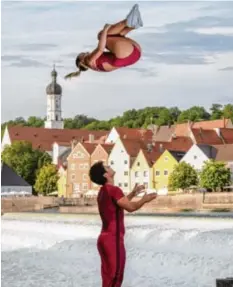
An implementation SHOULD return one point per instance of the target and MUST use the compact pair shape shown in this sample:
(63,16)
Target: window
(145,173)
(125,162)
(85,186)
(85,177)
(75,187)
(85,165)
(165,172)
(56,117)
(138,163)
(112,162)
(119,184)
(126,173)
(145,184)
(78,155)
(81,166)
(157,173)
(195,157)
(166,158)
(72,176)
(136,174)
(125,184)
(73,166)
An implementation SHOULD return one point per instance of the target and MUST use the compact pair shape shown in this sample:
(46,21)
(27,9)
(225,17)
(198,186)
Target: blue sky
(187,56)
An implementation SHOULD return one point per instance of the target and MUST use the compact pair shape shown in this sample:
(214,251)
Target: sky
(187,56)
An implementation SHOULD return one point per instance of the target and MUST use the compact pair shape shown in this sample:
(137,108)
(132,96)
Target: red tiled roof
(177,144)
(152,156)
(227,135)
(132,146)
(107,147)
(224,152)
(206,137)
(132,134)
(44,138)
(208,125)
(182,129)
(90,147)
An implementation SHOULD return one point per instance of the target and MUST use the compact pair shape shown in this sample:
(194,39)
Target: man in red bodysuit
(111,203)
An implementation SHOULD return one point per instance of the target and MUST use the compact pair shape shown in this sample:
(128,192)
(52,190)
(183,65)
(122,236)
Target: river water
(54,250)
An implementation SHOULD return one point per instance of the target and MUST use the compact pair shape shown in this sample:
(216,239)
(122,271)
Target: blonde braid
(73,74)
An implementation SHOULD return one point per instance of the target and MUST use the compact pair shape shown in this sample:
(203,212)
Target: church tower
(54,94)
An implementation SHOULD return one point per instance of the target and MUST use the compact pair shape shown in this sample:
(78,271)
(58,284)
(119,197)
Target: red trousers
(112,252)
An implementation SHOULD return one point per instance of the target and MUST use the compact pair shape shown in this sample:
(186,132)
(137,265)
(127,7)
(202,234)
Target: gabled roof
(208,150)
(151,156)
(206,137)
(43,139)
(227,135)
(164,133)
(178,155)
(89,147)
(10,178)
(62,159)
(224,152)
(181,144)
(134,134)
(107,147)
(208,125)
(132,147)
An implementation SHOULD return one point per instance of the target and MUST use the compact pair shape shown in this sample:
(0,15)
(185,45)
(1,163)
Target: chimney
(91,138)
(160,147)
(73,144)
(149,147)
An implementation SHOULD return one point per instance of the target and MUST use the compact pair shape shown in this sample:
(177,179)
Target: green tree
(35,122)
(46,180)
(182,177)
(215,175)
(24,160)
(194,114)
(216,111)
(228,112)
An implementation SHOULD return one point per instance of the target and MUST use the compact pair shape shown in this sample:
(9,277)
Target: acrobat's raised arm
(101,46)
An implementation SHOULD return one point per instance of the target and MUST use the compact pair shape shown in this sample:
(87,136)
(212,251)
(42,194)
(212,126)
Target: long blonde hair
(81,68)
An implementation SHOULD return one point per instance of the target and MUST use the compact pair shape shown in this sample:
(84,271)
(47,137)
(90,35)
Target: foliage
(46,180)
(136,118)
(215,175)
(24,160)
(182,177)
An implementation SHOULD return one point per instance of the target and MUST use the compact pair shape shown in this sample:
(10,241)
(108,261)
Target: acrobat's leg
(132,21)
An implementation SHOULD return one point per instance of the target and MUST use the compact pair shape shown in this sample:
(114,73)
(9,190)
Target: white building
(197,155)
(54,112)
(121,159)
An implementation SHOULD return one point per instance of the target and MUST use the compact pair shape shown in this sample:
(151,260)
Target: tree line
(136,118)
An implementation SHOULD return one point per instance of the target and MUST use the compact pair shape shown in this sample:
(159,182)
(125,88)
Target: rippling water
(40,250)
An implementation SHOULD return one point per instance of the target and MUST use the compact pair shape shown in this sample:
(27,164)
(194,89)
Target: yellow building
(141,171)
(61,183)
(163,167)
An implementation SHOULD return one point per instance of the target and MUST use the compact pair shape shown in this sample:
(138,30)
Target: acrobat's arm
(101,45)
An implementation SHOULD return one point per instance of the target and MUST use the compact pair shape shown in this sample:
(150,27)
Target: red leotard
(110,58)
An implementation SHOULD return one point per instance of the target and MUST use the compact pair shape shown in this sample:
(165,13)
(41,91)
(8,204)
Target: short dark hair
(97,172)
(81,68)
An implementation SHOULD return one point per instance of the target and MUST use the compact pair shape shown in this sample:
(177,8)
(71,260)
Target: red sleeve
(116,193)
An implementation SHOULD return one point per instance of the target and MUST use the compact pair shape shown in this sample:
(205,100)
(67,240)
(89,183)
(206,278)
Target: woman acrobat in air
(121,50)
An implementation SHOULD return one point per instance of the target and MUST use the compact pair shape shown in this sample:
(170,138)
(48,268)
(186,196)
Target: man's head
(101,174)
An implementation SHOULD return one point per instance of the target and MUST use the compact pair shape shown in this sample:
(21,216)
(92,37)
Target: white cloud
(183,56)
